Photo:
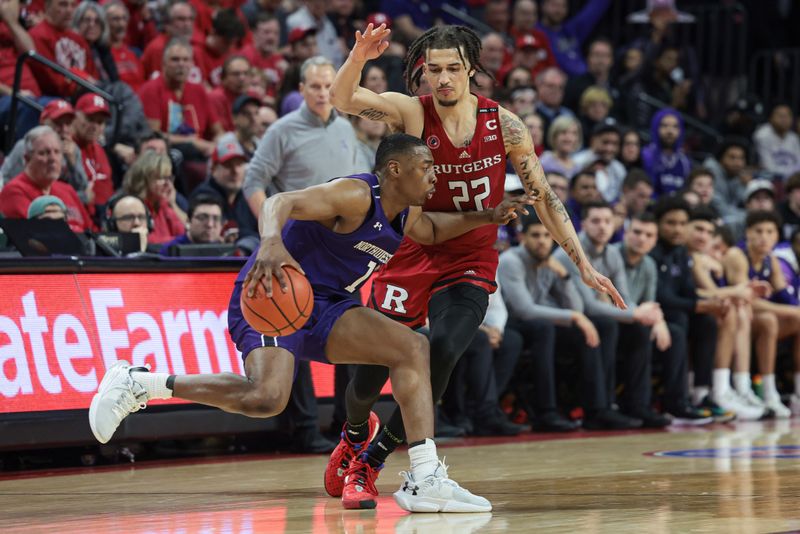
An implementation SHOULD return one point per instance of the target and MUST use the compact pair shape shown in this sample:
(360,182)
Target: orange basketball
(283,313)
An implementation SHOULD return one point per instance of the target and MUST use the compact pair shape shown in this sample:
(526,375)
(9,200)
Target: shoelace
(129,401)
(361,474)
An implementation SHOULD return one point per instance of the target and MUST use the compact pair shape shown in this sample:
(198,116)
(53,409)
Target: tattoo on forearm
(572,251)
(555,204)
(512,128)
(373,114)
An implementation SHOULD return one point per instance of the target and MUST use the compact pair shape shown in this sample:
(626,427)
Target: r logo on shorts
(394,299)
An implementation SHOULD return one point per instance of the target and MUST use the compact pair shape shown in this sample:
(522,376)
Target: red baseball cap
(298,34)
(376,19)
(56,109)
(227,151)
(526,41)
(91,103)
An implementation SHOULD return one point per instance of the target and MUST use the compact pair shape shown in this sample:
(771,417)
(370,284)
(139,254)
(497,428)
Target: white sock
(424,459)
(154,383)
(741,381)
(797,383)
(768,382)
(721,381)
(699,393)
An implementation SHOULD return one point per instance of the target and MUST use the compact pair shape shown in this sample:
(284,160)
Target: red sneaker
(359,490)
(341,456)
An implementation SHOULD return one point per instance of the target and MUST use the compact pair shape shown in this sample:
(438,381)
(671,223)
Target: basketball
(283,313)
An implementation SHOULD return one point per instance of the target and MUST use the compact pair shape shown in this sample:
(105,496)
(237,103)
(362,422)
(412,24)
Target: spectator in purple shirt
(663,158)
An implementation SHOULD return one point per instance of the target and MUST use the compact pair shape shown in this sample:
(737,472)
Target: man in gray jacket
(546,308)
(634,323)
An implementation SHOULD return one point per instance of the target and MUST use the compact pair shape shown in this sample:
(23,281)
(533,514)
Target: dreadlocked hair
(443,37)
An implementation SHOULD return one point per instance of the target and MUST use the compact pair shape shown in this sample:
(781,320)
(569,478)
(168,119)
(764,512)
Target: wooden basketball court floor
(735,478)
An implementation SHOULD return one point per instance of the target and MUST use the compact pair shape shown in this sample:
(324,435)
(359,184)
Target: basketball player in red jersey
(470,138)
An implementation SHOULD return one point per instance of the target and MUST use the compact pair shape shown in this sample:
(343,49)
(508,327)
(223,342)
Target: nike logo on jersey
(464,155)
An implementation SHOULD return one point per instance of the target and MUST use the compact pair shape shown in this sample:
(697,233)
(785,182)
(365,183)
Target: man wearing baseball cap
(60,116)
(245,114)
(531,53)
(90,122)
(225,183)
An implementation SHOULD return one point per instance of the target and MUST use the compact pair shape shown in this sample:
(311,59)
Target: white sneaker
(752,399)
(117,396)
(731,401)
(437,493)
(795,403)
(779,409)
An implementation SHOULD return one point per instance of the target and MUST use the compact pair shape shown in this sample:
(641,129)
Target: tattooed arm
(553,214)
(349,97)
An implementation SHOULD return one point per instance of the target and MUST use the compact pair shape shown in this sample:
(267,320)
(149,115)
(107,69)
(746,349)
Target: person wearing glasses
(205,223)
(129,214)
(150,179)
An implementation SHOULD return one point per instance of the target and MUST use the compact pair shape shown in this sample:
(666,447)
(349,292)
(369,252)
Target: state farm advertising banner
(58,333)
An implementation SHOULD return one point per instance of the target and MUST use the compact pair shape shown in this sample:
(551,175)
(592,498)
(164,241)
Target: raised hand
(370,44)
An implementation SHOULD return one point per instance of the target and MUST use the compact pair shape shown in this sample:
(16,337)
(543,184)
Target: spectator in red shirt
(150,179)
(263,52)
(219,44)
(141,28)
(523,22)
(179,24)
(179,108)
(530,53)
(235,78)
(129,67)
(60,116)
(43,160)
(90,121)
(57,42)
(14,40)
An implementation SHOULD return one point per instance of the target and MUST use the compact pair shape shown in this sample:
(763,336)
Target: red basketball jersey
(468,178)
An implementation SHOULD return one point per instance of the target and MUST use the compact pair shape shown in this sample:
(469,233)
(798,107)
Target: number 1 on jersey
(464,195)
(371,266)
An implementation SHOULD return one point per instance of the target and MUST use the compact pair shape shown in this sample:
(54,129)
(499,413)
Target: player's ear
(394,167)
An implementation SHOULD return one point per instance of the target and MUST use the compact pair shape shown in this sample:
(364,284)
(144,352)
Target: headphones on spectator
(111,221)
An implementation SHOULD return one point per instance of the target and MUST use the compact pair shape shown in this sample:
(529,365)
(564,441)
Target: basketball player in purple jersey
(471,137)
(336,233)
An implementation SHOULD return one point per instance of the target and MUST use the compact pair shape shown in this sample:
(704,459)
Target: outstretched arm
(326,202)
(553,214)
(349,97)
(428,228)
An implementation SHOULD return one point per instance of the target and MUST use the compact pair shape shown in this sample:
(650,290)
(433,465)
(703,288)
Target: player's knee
(264,403)
(766,323)
(420,350)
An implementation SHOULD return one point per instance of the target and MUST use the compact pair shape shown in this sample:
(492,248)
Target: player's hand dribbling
(271,258)
(600,283)
(510,208)
(370,44)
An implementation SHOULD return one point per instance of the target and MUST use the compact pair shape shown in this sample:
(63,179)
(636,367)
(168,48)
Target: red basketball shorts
(402,289)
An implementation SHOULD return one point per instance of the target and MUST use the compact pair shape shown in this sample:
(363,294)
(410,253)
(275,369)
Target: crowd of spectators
(224,103)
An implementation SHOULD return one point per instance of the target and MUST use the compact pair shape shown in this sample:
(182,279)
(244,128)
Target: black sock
(382,447)
(357,433)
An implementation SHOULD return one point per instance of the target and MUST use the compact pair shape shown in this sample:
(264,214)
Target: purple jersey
(341,263)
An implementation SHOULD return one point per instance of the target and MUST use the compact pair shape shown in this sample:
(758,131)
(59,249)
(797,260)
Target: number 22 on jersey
(477,190)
